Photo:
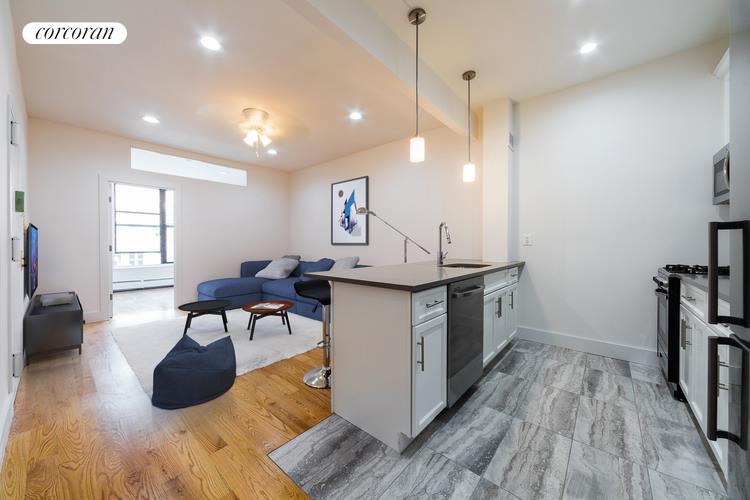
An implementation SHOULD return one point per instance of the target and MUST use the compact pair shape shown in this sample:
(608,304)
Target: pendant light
(470,170)
(416,145)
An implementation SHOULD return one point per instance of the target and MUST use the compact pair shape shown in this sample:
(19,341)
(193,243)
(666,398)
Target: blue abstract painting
(347,226)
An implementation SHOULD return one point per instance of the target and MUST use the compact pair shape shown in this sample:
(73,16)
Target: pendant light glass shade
(470,172)
(416,149)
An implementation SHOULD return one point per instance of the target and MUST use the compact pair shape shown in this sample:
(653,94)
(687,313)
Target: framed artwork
(348,227)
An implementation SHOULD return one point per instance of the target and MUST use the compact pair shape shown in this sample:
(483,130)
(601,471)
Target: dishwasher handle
(467,291)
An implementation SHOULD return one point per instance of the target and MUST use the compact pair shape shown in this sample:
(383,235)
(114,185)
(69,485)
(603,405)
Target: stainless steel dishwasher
(465,325)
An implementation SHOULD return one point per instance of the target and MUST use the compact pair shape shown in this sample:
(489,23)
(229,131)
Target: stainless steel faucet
(441,254)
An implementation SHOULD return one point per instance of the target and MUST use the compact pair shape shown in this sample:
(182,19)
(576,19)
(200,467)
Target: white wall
(413,197)
(218,225)
(615,181)
(12,178)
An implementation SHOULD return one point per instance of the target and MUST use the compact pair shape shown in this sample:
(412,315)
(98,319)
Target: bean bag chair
(192,374)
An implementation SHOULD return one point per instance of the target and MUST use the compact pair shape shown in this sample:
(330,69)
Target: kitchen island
(391,348)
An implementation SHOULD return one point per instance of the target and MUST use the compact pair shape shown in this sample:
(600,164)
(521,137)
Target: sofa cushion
(345,263)
(307,266)
(280,288)
(249,268)
(278,269)
(228,287)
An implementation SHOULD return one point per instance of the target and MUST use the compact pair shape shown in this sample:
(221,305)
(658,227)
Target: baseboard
(609,349)
(93,317)
(7,418)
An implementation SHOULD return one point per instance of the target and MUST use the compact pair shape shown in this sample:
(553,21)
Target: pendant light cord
(468,120)
(416,81)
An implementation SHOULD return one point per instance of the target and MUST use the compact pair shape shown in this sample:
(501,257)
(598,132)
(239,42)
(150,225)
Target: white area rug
(146,344)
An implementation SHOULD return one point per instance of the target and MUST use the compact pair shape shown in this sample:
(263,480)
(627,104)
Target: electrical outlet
(526,239)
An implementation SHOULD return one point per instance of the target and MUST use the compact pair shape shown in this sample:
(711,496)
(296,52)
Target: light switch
(526,239)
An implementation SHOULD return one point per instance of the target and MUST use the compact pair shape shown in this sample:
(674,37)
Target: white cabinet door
(699,366)
(685,356)
(490,309)
(512,312)
(722,407)
(500,327)
(430,379)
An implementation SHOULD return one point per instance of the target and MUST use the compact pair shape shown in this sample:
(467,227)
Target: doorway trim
(105,240)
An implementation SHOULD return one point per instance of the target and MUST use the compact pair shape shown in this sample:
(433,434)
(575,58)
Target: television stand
(52,328)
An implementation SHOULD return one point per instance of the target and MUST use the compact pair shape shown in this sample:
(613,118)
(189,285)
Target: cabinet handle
(421,348)
(713,273)
(433,304)
(512,300)
(723,387)
(499,307)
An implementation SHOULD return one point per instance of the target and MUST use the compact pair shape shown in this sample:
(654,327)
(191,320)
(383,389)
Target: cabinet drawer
(513,275)
(695,299)
(428,304)
(495,281)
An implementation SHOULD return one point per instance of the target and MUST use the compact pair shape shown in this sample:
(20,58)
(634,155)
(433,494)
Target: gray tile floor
(544,422)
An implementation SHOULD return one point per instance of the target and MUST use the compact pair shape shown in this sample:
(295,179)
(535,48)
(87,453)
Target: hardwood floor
(83,428)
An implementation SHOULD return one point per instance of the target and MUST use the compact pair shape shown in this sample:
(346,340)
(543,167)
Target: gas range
(694,269)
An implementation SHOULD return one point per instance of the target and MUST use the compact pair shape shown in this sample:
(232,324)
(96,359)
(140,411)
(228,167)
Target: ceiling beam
(355,24)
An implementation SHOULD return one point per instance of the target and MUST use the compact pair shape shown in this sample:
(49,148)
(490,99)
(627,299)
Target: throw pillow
(345,263)
(278,269)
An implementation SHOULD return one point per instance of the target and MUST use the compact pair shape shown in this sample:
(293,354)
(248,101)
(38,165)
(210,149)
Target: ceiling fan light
(265,140)
(470,172)
(251,138)
(416,149)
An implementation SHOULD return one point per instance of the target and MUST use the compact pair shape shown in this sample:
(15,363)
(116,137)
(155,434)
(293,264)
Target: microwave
(721,176)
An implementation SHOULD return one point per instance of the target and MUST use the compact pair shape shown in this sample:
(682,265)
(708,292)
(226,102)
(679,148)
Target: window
(144,225)
(159,163)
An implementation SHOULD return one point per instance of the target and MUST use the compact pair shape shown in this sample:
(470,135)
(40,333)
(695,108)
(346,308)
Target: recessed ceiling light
(150,119)
(210,43)
(587,48)
(355,115)
(272,152)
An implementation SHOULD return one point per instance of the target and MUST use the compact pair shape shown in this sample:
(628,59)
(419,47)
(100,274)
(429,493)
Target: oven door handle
(712,433)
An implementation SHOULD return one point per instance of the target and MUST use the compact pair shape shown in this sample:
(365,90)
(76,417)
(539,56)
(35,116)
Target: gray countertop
(412,277)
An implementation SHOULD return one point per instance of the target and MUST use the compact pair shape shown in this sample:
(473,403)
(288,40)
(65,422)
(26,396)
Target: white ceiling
(272,59)
(523,48)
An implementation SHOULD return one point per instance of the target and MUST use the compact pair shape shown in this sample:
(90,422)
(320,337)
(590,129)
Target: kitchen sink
(466,265)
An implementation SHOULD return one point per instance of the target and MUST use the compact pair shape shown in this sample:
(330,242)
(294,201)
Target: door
(685,352)
(430,381)
(500,325)
(488,341)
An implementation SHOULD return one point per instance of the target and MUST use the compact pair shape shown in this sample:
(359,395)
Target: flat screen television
(32,259)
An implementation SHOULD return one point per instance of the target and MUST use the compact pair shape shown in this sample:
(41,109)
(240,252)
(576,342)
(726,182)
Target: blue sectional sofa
(247,288)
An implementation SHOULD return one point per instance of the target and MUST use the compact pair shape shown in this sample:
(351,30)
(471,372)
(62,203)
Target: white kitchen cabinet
(694,335)
(500,320)
(699,376)
(488,341)
(429,367)
(512,319)
(500,326)
(686,357)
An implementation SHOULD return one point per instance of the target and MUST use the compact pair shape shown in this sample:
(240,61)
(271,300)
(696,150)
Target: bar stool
(319,290)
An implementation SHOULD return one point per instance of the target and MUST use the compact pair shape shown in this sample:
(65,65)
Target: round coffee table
(257,312)
(195,309)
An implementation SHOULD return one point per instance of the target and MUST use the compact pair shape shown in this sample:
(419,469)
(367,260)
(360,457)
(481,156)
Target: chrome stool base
(319,378)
